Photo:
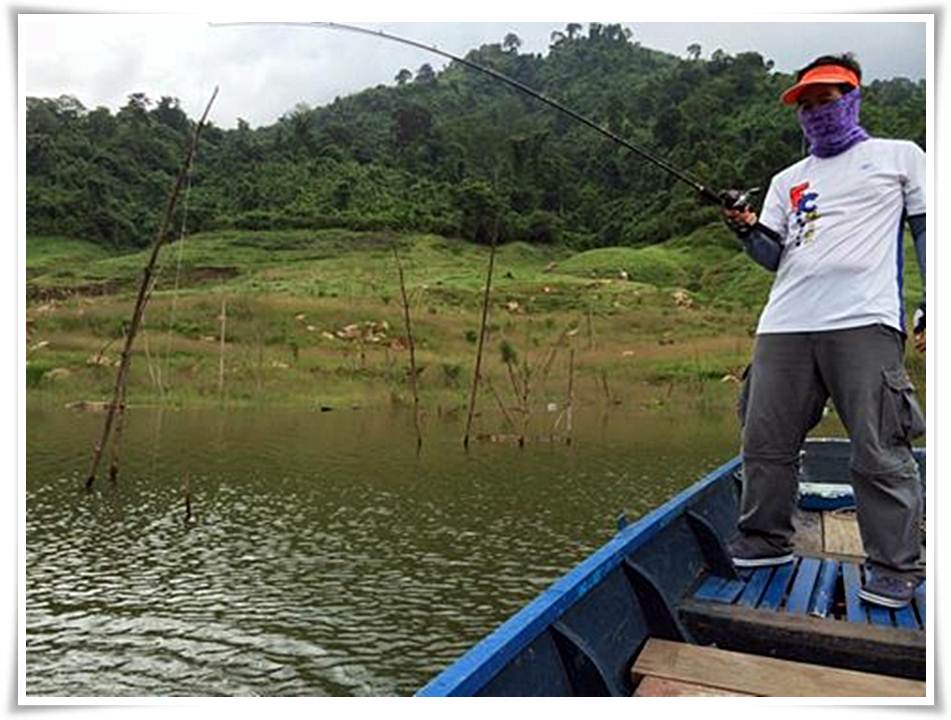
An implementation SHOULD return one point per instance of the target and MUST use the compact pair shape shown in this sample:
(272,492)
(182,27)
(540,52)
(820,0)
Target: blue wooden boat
(668,578)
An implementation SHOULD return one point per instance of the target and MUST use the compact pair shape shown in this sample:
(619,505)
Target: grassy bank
(314,318)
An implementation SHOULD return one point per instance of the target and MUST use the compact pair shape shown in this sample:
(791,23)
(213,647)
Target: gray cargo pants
(790,378)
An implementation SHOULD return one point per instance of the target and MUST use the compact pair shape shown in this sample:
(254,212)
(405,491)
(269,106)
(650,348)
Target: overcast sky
(263,71)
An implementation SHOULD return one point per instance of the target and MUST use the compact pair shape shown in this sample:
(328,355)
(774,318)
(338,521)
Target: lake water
(326,558)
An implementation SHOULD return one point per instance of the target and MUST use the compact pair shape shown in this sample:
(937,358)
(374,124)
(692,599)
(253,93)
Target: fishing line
(164,374)
(706,192)
(154,374)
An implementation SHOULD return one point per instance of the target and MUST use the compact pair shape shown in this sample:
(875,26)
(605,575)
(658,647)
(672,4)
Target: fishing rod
(730,199)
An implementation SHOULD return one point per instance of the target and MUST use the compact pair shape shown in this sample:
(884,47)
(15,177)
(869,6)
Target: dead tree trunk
(412,350)
(122,374)
(221,351)
(478,361)
(117,438)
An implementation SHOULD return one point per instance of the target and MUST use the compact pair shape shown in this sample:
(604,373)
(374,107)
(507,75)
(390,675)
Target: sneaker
(888,591)
(752,552)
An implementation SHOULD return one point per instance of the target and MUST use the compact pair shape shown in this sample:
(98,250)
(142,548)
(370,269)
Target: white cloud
(263,71)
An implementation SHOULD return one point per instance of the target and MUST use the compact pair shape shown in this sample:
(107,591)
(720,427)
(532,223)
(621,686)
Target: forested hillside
(447,152)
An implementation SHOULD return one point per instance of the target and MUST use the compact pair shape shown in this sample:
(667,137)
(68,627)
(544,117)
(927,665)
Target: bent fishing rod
(730,198)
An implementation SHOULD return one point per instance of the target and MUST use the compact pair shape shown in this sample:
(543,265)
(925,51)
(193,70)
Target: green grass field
(679,314)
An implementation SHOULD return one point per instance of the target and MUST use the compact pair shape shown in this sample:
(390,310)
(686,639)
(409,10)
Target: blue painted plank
(802,586)
(919,601)
(719,589)
(493,652)
(750,597)
(905,618)
(708,587)
(776,589)
(878,615)
(824,594)
(731,590)
(854,608)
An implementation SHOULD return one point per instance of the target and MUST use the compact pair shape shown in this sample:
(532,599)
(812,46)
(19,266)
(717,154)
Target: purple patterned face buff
(834,127)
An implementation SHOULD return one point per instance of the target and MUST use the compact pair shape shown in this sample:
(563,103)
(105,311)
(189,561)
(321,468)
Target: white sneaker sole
(882,600)
(763,561)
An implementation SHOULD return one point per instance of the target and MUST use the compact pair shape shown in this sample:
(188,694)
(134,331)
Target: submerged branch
(144,291)
(485,314)
(412,349)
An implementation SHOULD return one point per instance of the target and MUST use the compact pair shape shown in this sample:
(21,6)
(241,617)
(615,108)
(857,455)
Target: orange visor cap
(821,75)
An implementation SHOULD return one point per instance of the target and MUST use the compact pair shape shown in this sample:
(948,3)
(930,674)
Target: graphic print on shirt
(805,213)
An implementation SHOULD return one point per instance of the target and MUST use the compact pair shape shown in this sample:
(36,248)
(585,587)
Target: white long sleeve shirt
(840,220)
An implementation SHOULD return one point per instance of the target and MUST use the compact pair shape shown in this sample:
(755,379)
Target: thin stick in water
(553,352)
(516,390)
(604,386)
(102,351)
(117,438)
(526,404)
(495,394)
(122,374)
(187,492)
(412,348)
(485,314)
(221,351)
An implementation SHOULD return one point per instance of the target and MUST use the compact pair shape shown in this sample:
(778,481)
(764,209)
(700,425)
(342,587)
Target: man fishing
(831,228)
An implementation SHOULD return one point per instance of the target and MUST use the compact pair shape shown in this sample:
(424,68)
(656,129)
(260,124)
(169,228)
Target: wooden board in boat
(734,672)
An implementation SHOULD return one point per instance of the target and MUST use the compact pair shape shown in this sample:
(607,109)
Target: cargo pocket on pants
(743,400)
(901,417)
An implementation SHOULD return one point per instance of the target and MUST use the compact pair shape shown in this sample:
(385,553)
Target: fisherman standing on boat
(832,228)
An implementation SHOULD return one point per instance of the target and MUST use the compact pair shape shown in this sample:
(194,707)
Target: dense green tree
(454,152)
(481,209)
(425,75)
(511,43)
(168,113)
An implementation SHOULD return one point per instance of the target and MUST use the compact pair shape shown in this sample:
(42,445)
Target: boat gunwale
(483,661)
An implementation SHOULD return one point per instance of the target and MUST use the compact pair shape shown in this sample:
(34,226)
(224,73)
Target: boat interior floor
(820,587)
(664,668)
(808,610)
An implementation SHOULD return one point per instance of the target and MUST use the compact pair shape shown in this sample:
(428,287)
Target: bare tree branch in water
(118,394)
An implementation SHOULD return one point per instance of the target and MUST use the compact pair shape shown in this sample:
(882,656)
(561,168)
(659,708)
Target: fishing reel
(740,200)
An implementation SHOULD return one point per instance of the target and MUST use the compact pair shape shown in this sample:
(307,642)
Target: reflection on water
(326,558)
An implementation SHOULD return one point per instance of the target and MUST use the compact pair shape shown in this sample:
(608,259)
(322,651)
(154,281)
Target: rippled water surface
(326,557)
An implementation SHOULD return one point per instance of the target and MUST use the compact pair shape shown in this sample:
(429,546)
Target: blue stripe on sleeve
(899,272)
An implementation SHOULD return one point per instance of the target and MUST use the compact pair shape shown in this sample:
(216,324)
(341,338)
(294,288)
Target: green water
(326,558)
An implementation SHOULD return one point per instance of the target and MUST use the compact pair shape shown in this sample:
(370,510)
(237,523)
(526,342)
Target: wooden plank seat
(670,668)
(651,686)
